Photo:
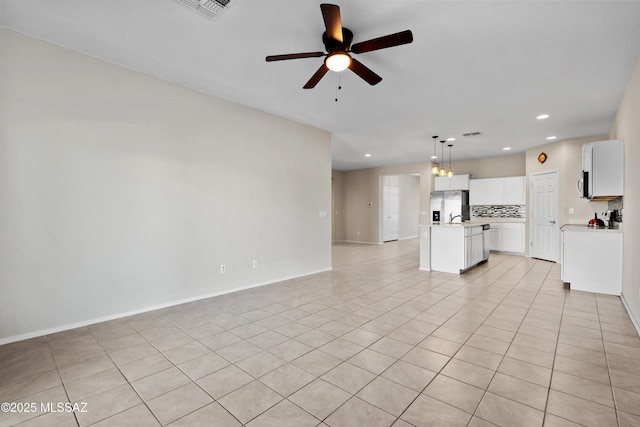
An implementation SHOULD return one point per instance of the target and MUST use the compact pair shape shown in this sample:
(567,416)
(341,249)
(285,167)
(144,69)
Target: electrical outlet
(254,263)
(223,268)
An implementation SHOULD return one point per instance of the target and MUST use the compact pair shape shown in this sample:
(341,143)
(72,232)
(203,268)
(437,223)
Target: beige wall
(492,167)
(627,127)
(566,157)
(337,206)
(120,192)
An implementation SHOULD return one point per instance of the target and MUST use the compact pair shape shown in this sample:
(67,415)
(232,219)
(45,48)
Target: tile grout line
(510,343)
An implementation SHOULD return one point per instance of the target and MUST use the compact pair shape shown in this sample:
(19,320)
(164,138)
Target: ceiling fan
(337,42)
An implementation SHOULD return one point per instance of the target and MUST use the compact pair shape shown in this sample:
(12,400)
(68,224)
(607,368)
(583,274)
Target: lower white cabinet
(512,238)
(592,260)
(507,237)
(495,234)
(473,243)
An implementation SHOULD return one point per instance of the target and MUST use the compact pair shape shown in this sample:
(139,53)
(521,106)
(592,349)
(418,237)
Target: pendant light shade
(434,158)
(450,173)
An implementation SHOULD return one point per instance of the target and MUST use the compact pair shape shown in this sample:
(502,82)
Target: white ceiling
(480,66)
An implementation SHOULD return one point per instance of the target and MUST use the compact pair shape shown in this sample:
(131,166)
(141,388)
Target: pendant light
(434,163)
(450,173)
(443,171)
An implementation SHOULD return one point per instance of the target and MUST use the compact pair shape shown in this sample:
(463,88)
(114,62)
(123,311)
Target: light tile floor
(373,343)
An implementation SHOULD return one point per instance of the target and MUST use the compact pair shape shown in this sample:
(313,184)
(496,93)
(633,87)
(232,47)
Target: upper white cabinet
(514,190)
(441,183)
(456,182)
(497,191)
(477,192)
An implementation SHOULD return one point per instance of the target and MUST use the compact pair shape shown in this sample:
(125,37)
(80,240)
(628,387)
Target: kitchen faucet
(451,217)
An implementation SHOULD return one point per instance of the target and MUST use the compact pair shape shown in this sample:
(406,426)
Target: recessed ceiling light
(367,155)
(542,116)
(507,148)
(451,139)
(551,137)
(434,157)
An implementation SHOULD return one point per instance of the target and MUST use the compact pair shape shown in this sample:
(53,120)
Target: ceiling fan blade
(332,22)
(384,42)
(272,58)
(360,69)
(313,81)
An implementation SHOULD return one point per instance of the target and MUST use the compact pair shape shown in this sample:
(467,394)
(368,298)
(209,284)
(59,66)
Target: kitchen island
(458,247)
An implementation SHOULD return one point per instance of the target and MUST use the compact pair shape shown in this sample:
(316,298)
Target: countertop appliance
(450,206)
(610,217)
(486,244)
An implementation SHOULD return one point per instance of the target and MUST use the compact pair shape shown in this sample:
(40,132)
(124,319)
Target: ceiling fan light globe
(338,61)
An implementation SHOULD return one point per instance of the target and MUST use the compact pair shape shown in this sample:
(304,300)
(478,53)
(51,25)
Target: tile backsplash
(616,204)
(499,211)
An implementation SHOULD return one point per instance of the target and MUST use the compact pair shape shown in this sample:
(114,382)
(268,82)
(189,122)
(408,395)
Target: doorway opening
(400,207)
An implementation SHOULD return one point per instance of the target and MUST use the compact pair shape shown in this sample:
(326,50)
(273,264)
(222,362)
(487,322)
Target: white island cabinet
(592,259)
(456,247)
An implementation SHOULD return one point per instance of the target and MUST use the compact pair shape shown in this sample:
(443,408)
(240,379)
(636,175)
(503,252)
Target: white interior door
(391,214)
(545,227)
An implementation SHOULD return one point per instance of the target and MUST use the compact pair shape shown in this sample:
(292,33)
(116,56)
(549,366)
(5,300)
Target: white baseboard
(42,332)
(409,237)
(635,321)
(362,243)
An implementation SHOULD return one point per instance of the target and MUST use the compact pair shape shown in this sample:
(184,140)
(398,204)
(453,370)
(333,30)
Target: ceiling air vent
(471,134)
(209,8)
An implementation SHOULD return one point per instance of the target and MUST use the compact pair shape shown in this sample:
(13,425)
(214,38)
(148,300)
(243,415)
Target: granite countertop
(587,229)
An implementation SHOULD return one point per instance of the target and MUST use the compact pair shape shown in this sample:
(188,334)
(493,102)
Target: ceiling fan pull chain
(338,88)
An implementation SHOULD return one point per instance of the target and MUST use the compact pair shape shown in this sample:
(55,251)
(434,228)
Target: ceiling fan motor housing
(334,45)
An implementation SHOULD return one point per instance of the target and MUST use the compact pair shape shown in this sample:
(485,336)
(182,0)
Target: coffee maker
(610,217)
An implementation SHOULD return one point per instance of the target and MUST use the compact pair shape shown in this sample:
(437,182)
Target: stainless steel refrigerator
(446,205)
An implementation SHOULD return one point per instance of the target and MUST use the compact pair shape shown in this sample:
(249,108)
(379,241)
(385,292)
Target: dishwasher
(486,247)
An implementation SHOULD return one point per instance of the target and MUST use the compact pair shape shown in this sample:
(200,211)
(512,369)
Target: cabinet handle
(553,221)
